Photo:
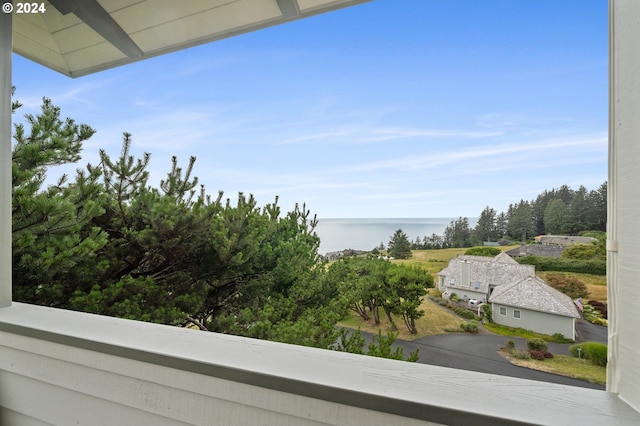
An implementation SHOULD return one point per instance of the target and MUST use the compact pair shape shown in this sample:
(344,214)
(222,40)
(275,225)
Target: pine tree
(399,246)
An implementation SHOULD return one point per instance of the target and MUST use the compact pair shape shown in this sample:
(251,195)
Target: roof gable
(479,273)
(535,294)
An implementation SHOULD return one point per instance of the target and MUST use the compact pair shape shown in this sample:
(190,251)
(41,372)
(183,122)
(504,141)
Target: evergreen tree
(520,221)
(556,217)
(485,229)
(399,246)
(53,242)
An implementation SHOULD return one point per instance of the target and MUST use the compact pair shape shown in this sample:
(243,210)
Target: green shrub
(454,297)
(559,338)
(590,313)
(469,327)
(540,355)
(483,251)
(536,344)
(510,344)
(571,286)
(521,354)
(594,267)
(488,312)
(595,352)
(463,312)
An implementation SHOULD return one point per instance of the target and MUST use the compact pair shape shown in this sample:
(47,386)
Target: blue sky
(412,108)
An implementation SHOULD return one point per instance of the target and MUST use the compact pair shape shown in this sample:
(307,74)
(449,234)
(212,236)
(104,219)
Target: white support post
(6,48)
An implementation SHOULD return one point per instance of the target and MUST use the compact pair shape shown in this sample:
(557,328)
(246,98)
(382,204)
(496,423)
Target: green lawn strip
(564,365)
(518,332)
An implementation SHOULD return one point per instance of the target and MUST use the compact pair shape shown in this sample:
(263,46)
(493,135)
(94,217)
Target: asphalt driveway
(479,352)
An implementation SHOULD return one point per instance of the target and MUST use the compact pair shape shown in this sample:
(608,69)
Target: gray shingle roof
(535,294)
(540,250)
(484,272)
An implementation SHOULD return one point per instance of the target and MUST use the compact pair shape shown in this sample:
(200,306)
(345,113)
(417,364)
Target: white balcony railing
(66,368)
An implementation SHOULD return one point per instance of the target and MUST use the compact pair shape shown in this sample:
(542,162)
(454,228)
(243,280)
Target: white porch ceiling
(79,37)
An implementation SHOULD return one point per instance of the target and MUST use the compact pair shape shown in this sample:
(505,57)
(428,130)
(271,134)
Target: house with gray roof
(563,240)
(518,298)
(538,250)
(475,277)
(534,305)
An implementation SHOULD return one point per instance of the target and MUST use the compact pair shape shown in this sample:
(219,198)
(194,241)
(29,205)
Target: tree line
(107,242)
(559,211)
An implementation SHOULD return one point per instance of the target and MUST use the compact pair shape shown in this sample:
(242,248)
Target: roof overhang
(80,37)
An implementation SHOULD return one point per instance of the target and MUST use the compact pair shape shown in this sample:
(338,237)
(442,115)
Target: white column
(6,47)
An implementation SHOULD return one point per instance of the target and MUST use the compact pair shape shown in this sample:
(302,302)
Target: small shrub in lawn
(510,344)
(470,327)
(536,344)
(595,352)
(521,354)
(559,338)
(540,355)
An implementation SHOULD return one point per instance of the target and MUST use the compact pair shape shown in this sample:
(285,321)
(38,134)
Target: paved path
(479,352)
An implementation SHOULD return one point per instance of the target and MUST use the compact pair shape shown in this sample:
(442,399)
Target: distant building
(538,250)
(563,240)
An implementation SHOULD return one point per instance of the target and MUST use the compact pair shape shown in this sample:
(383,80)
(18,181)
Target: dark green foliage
(381,346)
(469,327)
(510,344)
(536,344)
(399,246)
(594,351)
(571,286)
(556,217)
(600,307)
(371,285)
(488,312)
(595,251)
(109,243)
(520,226)
(483,251)
(462,312)
(457,234)
(594,267)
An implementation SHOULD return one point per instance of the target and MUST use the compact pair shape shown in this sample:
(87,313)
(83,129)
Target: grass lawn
(564,365)
(436,320)
(515,332)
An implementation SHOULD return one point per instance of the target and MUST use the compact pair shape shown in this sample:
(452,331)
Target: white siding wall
(534,321)
(623,227)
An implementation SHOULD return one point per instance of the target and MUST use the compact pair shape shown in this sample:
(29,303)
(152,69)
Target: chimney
(465,274)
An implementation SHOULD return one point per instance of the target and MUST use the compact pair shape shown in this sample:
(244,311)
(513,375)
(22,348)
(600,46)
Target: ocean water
(365,234)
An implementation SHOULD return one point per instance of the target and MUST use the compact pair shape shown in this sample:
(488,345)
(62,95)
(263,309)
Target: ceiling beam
(289,8)
(94,15)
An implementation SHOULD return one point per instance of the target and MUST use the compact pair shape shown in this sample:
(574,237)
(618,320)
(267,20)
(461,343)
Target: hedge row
(594,267)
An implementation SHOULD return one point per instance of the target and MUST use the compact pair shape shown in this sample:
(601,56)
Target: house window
(516,313)
(503,311)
